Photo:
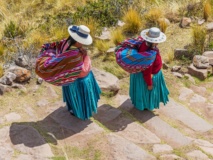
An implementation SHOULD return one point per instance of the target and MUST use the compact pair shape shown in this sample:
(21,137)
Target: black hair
(70,41)
(149,44)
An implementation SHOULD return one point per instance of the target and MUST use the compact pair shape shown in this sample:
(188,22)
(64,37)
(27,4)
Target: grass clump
(1,70)
(199,37)
(153,16)
(207,11)
(133,21)
(117,36)
(13,30)
(102,46)
(163,24)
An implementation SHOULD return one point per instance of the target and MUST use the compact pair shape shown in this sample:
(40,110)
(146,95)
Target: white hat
(153,35)
(80,34)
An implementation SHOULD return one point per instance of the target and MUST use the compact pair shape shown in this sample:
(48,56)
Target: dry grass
(207,10)
(117,36)
(176,38)
(102,46)
(162,24)
(169,56)
(133,21)
(199,37)
(91,24)
(1,70)
(153,15)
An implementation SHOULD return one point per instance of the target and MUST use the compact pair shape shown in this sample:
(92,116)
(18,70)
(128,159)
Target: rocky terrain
(36,125)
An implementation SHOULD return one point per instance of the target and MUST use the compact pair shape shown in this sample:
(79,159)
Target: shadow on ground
(117,119)
(56,126)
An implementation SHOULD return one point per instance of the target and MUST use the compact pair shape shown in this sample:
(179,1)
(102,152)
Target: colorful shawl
(128,57)
(57,67)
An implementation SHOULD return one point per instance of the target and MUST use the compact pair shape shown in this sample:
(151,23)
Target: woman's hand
(150,87)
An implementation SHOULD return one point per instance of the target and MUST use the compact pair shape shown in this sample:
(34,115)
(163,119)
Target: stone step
(180,113)
(206,146)
(121,148)
(124,126)
(153,123)
(160,128)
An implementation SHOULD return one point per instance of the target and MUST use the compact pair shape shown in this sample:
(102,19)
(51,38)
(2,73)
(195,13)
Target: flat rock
(137,133)
(106,113)
(185,93)
(197,155)
(162,148)
(106,80)
(12,117)
(199,90)
(121,148)
(163,130)
(205,146)
(72,125)
(197,99)
(27,140)
(124,102)
(42,103)
(209,26)
(170,157)
(178,112)
(51,92)
(6,152)
(199,73)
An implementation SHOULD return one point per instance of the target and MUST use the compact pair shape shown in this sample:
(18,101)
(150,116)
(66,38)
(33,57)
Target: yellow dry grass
(102,46)
(133,21)
(117,36)
(207,10)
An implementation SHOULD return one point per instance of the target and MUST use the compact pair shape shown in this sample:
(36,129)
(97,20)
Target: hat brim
(77,38)
(160,39)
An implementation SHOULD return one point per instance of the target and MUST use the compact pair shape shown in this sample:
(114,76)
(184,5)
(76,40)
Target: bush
(105,12)
(12,30)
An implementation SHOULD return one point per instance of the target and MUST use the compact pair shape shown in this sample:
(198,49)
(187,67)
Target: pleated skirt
(142,98)
(81,96)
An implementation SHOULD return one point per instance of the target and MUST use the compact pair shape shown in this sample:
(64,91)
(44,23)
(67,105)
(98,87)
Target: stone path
(117,132)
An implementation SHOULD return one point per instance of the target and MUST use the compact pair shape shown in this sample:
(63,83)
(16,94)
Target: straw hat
(153,35)
(80,34)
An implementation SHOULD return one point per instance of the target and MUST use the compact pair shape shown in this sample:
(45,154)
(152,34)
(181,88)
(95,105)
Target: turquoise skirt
(142,98)
(82,96)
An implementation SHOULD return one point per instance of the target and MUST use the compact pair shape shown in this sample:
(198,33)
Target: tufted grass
(133,21)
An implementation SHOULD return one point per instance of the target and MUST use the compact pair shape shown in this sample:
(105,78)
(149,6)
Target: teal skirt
(142,98)
(81,96)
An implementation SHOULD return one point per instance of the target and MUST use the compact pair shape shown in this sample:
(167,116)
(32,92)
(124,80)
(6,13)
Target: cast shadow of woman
(58,125)
(117,119)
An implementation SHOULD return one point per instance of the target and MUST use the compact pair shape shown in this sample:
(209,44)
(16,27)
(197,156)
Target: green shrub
(12,30)
(106,12)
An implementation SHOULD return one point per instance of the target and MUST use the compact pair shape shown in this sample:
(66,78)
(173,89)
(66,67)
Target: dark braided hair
(70,41)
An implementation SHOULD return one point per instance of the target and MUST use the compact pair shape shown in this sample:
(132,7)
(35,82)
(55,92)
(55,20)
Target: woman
(82,95)
(148,88)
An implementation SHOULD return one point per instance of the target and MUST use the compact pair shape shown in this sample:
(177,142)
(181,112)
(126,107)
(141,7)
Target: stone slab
(122,149)
(178,112)
(170,135)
